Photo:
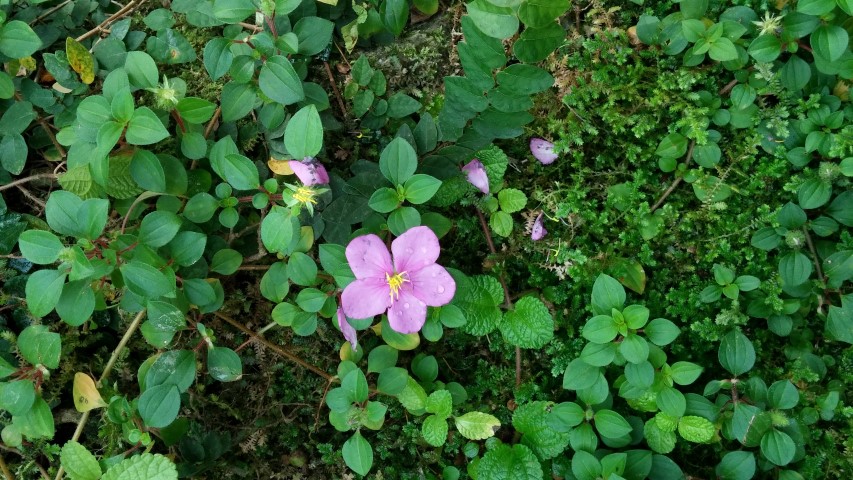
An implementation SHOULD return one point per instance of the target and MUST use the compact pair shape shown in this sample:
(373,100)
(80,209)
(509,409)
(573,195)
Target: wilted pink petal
(543,150)
(538,231)
(476,173)
(408,313)
(368,257)
(366,298)
(415,249)
(309,171)
(347,330)
(433,285)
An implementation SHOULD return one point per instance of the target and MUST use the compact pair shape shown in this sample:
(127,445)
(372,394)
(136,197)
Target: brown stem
(676,182)
(254,267)
(262,250)
(815,257)
(24,180)
(180,121)
(209,128)
(728,88)
(50,12)
(275,348)
(124,11)
(341,104)
(507,296)
(5,469)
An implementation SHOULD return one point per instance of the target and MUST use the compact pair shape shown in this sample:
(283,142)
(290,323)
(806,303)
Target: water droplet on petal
(423,250)
(409,251)
(406,305)
(439,289)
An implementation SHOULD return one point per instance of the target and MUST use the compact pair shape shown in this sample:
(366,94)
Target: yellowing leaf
(86,396)
(81,60)
(329,2)
(280,167)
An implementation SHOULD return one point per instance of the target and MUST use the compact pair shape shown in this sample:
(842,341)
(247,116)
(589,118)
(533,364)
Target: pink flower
(347,330)
(477,175)
(309,171)
(543,150)
(405,287)
(538,231)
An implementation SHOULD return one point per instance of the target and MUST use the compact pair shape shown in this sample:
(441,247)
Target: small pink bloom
(543,150)
(309,171)
(477,175)
(404,287)
(538,231)
(347,330)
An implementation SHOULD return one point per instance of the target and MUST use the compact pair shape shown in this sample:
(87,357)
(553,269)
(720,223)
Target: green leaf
(696,429)
(147,466)
(237,170)
(38,345)
(814,193)
(783,395)
(524,79)
(233,11)
(401,105)
(159,405)
(173,367)
(78,462)
(76,303)
(434,430)
(723,50)
(501,223)
(477,425)
(565,416)
(224,364)
(398,161)
(494,21)
(610,424)
(380,358)
(673,146)
(529,325)
(279,81)
(420,188)
(358,454)
(829,41)
(40,247)
(440,403)
(314,34)
(661,331)
(61,212)
(659,440)
(635,316)
(195,110)
(540,13)
(395,381)
(815,7)
(13,153)
(778,447)
(535,44)
(509,462)
(303,136)
(685,373)
(580,375)
(607,294)
(201,207)
(600,329)
(17,397)
(795,269)
(736,354)
(159,228)
(18,40)
(43,290)
(478,297)
(145,128)
(217,57)
(791,216)
(237,100)
(531,420)
(585,466)
(796,73)
(141,69)
(512,200)
(384,200)
(737,465)
(145,280)
(147,171)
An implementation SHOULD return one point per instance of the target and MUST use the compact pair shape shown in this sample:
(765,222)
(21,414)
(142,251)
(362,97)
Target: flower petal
(543,150)
(433,285)
(365,298)
(415,249)
(538,231)
(476,173)
(408,313)
(368,257)
(347,330)
(309,171)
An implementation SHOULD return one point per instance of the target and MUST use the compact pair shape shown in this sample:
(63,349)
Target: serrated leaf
(505,462)
(696,429)
(78,462)
(477,425)
(434,430)
(529,325)
(143,467)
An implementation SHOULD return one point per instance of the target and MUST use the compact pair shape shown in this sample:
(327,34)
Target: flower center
(305,195)
(395,282)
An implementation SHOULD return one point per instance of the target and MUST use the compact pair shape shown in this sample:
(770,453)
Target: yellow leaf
(86,396)
(329,2)
(280,167)
(81,60)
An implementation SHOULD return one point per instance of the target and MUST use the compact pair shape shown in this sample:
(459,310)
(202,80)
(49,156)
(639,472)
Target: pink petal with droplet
(368,257)
(543,150)
(347,330)
(476,173)
(538,231)
(408,313)
(416,248)
(433,285)
(366,298)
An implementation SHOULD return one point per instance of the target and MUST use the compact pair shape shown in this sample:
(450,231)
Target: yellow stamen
(305,195)
(396,282)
